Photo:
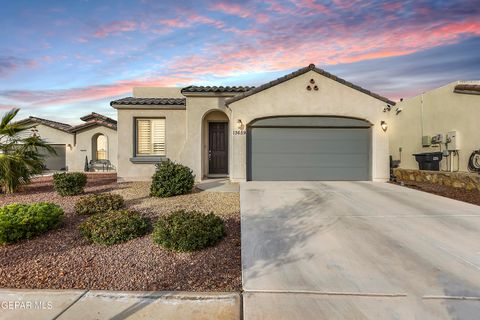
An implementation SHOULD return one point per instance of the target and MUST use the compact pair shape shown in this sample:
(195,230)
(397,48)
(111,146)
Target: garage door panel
(321,160)
(305,174)
(309,153)
(311,146)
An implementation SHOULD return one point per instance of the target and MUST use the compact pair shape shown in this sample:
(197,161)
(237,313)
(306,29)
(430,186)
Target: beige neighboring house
(95,139)
(307,125)
(451,113)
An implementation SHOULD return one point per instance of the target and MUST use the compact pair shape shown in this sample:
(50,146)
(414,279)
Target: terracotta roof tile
(467,88)
(215,89)
(149,101)
(49,123)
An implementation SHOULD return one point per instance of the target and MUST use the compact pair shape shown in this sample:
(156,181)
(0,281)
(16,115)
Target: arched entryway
(99,147)
(215,128)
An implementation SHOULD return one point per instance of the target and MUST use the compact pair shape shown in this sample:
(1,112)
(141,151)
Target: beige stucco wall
(443,111)
(83,147)
(175,131)
(292,98)
(184,136)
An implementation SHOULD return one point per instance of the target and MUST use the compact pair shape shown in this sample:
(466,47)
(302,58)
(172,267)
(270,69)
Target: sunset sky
(63,59)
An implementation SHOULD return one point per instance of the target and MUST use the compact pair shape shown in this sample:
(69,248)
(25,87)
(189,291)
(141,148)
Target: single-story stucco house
(307,125)
(451,111)
(94,139)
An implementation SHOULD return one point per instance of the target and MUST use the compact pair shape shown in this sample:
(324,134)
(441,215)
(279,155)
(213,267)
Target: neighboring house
(307,125)
(95,139)
(455,108)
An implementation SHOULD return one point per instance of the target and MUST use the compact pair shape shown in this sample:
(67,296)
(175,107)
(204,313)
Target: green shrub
(25,221)
(99,203)
(171,179)
(188,230)
(69,183)
(114,227)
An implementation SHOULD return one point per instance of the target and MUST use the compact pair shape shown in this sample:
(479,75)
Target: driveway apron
(357,250)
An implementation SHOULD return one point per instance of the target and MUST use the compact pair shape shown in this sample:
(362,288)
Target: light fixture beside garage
(384,126)
(239,124)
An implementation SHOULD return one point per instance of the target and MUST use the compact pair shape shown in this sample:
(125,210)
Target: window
(101,147)
(150,137)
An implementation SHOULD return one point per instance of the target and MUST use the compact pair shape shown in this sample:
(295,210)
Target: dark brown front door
(217,148)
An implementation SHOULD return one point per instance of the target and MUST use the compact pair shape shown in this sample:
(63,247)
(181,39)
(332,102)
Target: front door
(218,148)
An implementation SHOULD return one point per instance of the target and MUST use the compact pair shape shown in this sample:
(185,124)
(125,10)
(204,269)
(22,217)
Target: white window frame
(152,138)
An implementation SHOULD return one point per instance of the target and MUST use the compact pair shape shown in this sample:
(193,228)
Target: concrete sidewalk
(80,304)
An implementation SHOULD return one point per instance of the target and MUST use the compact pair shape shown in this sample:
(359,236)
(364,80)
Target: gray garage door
(309,148)
(58,161)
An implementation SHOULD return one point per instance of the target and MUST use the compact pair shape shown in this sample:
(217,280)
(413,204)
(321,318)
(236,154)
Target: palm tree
(20,153)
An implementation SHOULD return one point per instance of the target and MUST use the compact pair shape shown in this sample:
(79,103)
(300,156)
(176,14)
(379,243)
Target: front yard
(62,258)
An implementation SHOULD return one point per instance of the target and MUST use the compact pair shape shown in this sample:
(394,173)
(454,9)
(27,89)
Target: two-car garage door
(309,148)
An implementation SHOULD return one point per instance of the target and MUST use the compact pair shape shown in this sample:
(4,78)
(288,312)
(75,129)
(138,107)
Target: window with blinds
(150,137)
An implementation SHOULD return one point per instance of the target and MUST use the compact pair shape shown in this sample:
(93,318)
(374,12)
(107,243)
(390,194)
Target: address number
(239,132)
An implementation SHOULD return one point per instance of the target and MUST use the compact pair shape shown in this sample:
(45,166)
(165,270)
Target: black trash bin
(429,160)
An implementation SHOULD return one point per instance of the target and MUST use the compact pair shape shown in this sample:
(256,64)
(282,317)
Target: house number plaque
(239,132)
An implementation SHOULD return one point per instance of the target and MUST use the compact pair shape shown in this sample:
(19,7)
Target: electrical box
(438,139)
(452,141)
(426,141)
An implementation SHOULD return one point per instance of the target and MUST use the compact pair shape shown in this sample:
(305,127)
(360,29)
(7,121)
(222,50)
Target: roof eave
(211,94)
(149,106)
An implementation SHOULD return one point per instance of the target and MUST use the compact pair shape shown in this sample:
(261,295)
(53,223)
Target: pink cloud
(239,11)
(6,106)
(9,64)
(115,27)
(39,98)
(275,6)
(175,23)
(312,5)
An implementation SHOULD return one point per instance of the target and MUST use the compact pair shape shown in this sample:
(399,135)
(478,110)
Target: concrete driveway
(357,250)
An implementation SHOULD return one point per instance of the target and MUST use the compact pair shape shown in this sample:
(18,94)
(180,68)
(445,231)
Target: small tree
(20,153)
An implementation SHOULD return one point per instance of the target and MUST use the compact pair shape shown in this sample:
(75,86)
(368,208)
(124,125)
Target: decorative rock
(461,180)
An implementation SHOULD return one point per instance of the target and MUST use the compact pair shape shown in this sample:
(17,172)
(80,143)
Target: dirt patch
(472,196)
(62,259)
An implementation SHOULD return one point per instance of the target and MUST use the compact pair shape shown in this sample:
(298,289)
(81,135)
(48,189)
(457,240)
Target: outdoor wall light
(384,126)
(69,146)
(239,124)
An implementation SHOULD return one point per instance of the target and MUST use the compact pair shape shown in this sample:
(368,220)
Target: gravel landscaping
(63,259)
(460,194)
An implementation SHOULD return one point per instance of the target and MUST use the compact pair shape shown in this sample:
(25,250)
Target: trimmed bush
(114,227)
(25,221)
(171,179)
(69,183)
(99,203)
(188,230)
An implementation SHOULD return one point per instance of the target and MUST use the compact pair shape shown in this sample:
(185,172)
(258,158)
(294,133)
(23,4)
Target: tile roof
(299,72)
(49,123)
(149,101)
(467,88)
(95,119)
(215,89)
(97,116)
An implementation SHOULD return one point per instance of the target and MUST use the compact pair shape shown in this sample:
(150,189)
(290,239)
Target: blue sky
(64,59)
